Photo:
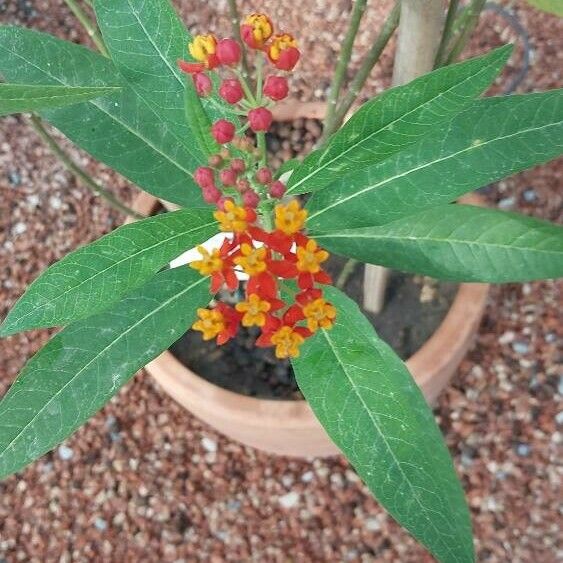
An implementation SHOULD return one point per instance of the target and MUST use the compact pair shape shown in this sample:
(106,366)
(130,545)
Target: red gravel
(145,481)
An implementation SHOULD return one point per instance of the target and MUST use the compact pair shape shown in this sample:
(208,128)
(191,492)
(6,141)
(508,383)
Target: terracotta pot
(290,427)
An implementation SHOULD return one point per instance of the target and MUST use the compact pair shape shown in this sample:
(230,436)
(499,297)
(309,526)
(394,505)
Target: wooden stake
(420,31)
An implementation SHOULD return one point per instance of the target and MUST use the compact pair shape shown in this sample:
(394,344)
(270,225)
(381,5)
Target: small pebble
(100,524)
(208,444)
(307,477)
(289,500)
(559,417)
(14,178)
(529,195)
(520,347)
(523,450)
(507,202)
(65,453)
(373,525)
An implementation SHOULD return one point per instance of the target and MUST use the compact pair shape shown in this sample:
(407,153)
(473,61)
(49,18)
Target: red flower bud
(264,175)
(283,52)
(223,131)
(250,199)
(243,186)
(228,52)
(276,88)
(277,189)
(228,177)
(202,83)
(260,119)
(204,177)
(215,160)
(211,194)
(238,165)
(231,90)
(256,29)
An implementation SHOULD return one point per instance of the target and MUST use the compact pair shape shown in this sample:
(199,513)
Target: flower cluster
(264,240)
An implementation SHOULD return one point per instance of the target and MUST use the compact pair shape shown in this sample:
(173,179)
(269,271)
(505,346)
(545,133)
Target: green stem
(468,21)
(235,23)
(344,60)
(245,87)
(77,171)
(259,76)
(261,140)
(88,25)
(447,33)
(347,271)
(364,71)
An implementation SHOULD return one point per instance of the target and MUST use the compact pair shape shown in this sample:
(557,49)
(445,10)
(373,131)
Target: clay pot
(290,427)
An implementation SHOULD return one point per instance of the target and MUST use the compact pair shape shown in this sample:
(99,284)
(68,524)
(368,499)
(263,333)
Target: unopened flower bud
(238,165)
(260,119)
(211,194)
(228,177)
(256,30)
(203,48)
(223,131)
(277,189)
(204,177)
(228,52)
(231,91)
(243,186)
(202,83)
(283,52)
(264,176)
(276,88)
(250,199)
(215,160)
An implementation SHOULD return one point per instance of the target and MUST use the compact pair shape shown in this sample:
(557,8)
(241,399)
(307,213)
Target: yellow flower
(319,314)
(254,310)
(290,218)
(210,323)
(280,43)
(209,264)
(310,258)
(233,219)
(202,47)
(260,28)
(253,260)
(287,342)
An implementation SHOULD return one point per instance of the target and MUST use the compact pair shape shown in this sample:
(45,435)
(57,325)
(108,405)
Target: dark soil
(414,308)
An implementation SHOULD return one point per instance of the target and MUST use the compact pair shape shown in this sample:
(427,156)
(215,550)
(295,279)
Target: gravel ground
(146,481)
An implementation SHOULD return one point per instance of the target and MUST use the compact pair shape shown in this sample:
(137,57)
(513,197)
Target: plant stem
(346,272)
(261,140)
(468,22)
(246,87)
(235,23)
(447,33)
(37,124)
(88,25)
(364,71)
(344,60)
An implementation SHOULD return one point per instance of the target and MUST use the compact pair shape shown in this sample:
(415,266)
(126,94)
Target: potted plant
(381,191)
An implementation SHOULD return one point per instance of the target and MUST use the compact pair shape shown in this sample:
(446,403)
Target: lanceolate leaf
(145,39)
(396,119)
(86,363)
(91,278)
(551,6)
(118,129)
(18,98)
(199,121)
(459,243)
(374,412)
(492,139)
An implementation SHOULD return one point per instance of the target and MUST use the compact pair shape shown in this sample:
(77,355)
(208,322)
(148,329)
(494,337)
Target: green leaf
(492,139)
(551,6)
(86,363)
(374,412)
(118,129)
(18,98)
(459,243)
(396,119)
(198,120)
(91,278)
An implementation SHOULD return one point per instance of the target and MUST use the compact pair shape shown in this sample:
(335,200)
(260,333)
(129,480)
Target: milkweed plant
(185,118)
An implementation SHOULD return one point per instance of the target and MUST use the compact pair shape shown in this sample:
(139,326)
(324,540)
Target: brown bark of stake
(420,31)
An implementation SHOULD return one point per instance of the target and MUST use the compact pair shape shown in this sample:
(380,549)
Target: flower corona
(265,238)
